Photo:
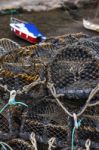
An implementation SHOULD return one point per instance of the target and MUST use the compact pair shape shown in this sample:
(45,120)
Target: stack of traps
(70,64)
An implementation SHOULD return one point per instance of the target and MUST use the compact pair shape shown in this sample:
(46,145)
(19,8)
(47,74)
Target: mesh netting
(90,43)
(2,51)
(66,39)
(47,111)
(4,125)
(27,55)
(55,80)
(74,72)
(17,144)
(20,144)
(89,128)
(44,120)
(95,39)
(21,76)
(7,45)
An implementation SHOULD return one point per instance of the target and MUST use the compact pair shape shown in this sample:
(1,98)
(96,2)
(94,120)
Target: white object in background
(91,26)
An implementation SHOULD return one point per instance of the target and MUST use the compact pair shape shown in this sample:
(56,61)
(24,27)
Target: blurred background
(45,5)
(52,17)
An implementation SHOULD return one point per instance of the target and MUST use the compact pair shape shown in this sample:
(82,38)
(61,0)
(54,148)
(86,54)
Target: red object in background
(26,31)
(25,37)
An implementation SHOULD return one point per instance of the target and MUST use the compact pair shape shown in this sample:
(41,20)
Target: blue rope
(12,102)
(77,125)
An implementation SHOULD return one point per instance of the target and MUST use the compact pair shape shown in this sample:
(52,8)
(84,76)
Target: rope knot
(88,144)
(12,97)
(12,101)
(51,143)
(33,140)
(53,90)
(77,124)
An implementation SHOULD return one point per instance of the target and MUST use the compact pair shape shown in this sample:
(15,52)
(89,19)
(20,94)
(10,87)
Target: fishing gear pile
(49,94)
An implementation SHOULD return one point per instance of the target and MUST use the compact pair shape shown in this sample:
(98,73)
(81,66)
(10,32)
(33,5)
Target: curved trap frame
(8,46)
(65,70)
(74,72)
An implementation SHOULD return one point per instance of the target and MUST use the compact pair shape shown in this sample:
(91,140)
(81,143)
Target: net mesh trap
(7,45)
(49,94)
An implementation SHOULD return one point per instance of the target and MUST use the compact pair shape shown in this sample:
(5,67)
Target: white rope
(51,143)
(28,87)
(5,88)
(88,144)
(53,90)
(33,140)
(93,104)
(25,88)
(93,92)
(55,95)
(3,143)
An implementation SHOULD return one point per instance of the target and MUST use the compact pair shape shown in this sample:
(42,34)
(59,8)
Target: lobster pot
(25,70)
(20,144)
(89,128)
(63,40)
(91,43)
(74,73)
(7,45)
(46,120)
(23,75)
(25,56)
(45,123)
(10,117)
(25,145)
(46,132)
(46,111)
(66,71)
(17,143)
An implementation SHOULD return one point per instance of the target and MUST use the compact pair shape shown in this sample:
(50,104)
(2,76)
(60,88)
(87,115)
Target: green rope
(12,101)
(3,146)
(77,125)
(4,108)
(73,132)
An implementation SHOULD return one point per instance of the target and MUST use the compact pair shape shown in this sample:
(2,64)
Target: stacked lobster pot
(49,94)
